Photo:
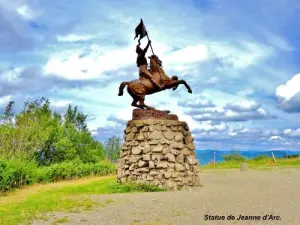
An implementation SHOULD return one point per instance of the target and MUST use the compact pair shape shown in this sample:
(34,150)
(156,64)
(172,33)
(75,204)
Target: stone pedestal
(158,150)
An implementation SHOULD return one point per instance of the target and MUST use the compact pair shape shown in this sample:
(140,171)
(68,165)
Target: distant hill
(206,156)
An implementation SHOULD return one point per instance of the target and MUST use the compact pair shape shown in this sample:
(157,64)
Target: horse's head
(155,62)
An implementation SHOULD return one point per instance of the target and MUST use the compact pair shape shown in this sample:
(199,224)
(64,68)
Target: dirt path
(224,193)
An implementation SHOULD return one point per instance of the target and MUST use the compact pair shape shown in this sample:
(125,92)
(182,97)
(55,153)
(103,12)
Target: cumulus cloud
(289,89)
(90,63)
(32,80)
(94,61)
(288,95)
(239,56)
(196,102)
(275,138)
(239,111)
(292,133)
(114,127)
(243,106)
(292,105)
(27,13)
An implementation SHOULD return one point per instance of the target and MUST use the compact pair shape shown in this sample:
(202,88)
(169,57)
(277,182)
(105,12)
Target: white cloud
(289,89)
(214,110)
(94,132)
(245,92)
(275,138)
(60,103)
(27,13)
(209,126)
(232,133)
(262,111)
(74,38)
(278,42)
(247,104)
(243,105)
(124,114)
(98,60)
(243,110)
(238,56)
(212,80)
(188,54)
(292,133)
(74,66)
(4,100)
(11,75)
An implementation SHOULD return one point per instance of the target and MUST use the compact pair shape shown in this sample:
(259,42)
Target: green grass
(62,220)
(27,204)
(259,163)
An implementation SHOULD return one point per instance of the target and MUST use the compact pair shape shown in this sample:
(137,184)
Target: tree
(43,135)
(8,114)
(112,148)
(72,116)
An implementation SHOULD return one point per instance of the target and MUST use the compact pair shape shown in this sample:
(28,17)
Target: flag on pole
(140,30)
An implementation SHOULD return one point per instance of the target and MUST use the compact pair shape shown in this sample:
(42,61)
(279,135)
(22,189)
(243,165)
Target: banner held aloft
(141,31)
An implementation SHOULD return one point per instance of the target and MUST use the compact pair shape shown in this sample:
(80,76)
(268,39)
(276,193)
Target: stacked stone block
(158,152)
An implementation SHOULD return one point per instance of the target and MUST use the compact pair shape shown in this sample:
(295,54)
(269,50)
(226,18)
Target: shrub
(15,173)
(76,169)
(234,156)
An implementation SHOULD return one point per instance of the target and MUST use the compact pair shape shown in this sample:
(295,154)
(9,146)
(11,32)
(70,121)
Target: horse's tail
(121,88)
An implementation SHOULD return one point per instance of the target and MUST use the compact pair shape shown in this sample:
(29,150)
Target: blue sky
(241,59)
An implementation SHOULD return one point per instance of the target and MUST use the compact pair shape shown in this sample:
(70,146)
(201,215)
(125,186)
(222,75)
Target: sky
(241,59)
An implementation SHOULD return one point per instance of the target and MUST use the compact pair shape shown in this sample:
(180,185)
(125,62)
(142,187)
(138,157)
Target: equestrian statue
(151,80)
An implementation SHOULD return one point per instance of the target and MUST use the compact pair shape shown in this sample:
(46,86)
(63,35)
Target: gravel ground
(224,193)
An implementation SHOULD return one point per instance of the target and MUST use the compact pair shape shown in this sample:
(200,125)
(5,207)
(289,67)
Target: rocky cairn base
(158,150)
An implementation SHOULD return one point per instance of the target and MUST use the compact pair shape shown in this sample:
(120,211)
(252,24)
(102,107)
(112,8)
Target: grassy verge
(257,163)
(24,205)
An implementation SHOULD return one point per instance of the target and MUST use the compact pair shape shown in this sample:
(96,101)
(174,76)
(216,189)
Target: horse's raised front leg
(174,78)
(174,83)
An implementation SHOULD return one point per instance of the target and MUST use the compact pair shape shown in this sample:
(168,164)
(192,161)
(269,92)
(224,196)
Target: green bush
(76,169)
(234,156)
(15,173)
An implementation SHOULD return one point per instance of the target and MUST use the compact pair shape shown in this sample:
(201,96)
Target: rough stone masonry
(158,150)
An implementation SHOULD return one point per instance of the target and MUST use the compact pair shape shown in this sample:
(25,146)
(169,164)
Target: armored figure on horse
(150,81)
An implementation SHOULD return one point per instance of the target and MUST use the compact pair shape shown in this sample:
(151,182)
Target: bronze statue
(152,81)
(142,64)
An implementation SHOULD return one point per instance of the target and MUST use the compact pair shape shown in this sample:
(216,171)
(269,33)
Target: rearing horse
(139,88)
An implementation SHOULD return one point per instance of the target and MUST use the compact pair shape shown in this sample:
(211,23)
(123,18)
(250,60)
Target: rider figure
(142,64)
